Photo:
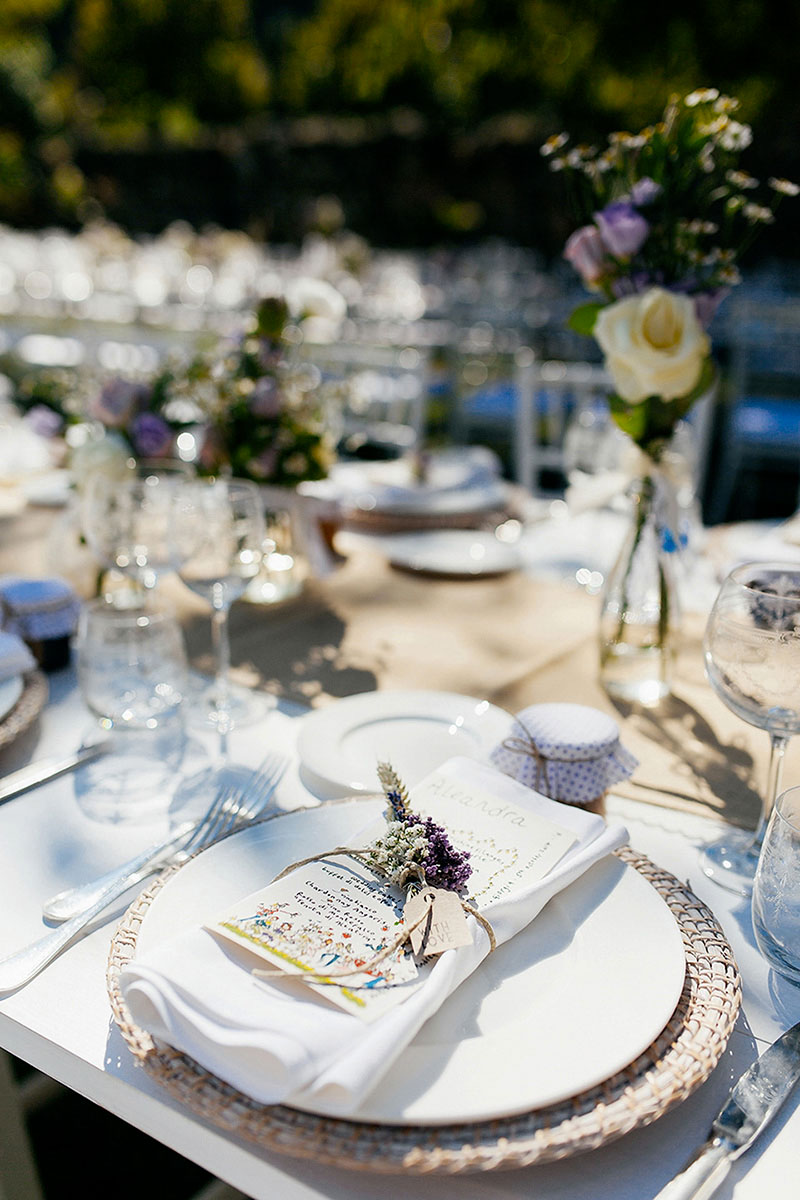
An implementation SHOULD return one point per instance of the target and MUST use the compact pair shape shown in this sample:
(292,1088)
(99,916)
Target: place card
(333,922)
(510,847)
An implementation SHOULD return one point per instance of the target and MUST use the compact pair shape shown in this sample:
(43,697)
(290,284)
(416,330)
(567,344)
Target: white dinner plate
(458,483)
(430,501)
(463,552)
(565,1004)
(10,692)
(416,731)
(51,489)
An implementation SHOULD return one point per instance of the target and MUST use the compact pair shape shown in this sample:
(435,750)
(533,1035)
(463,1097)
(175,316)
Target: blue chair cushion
(767,420)
(496,400)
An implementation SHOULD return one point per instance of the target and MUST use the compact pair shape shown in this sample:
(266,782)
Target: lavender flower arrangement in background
(665,217)
(265,415)
(242,408)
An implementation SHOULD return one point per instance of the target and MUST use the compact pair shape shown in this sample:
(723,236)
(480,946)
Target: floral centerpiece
(665,217)
(245,408)
(262,415)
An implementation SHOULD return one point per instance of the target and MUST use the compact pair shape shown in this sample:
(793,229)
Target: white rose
(109,455)
(318,306)
(653,344)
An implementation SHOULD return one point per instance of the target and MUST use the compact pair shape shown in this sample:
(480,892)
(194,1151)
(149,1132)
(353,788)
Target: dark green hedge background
(422,117)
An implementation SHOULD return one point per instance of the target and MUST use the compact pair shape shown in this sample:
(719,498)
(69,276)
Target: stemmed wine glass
(752,659)
(129,522)
(220,533)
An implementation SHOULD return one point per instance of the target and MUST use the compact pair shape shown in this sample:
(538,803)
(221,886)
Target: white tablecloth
(61,1021)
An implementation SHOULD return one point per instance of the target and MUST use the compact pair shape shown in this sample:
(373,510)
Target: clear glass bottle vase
(640,618)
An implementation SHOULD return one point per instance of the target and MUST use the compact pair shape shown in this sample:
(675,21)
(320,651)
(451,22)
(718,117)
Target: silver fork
(230,810)
(229,804)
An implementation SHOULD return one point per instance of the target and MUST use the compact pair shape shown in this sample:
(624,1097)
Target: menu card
(335,914)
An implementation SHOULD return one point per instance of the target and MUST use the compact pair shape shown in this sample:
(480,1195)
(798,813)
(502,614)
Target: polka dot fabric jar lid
(44,613)
(39,608)
(568,752)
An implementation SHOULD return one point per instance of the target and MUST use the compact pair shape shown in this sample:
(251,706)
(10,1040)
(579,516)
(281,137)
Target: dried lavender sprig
(444,865)
(395,791)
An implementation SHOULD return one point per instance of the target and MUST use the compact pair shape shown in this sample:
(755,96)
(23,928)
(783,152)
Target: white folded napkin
(192,993)
(15,657)
(23,452)
(467,477)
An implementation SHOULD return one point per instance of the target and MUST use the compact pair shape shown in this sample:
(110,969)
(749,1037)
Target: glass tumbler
(131,664)
(776,888)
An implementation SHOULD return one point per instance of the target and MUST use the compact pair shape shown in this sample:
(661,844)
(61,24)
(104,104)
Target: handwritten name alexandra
(442,789)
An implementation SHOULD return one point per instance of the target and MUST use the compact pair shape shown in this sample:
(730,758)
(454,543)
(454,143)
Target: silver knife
(48,768)
(751,1105)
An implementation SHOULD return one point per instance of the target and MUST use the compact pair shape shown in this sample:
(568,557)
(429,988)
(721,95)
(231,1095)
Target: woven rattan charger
(672,1067)
(26,710)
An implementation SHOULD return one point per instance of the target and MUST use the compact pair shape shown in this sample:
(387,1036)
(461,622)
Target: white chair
(548,397)
(379,395)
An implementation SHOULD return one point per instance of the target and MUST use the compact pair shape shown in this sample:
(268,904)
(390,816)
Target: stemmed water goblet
(752,660)
(220,533)
(129,522)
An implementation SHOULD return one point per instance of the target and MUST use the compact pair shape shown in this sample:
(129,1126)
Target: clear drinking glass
(776,889)
(752,659)
(282,570)
(221,531)
(129,522)
(131,664)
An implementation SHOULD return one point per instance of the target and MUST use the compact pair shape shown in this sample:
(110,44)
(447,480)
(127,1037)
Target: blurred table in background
(514,639)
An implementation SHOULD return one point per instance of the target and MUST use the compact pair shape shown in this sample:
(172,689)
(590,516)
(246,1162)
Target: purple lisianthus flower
(151,436)
(265,398)
(587,253)
(622,228)
(645,191)
(44,421)
(118,400)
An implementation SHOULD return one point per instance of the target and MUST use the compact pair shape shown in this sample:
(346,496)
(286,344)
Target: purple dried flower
(622,228)
(444,866)
(151,436)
